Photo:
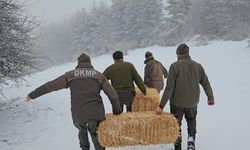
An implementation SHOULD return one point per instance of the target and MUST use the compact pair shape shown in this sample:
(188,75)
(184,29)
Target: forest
(28,44)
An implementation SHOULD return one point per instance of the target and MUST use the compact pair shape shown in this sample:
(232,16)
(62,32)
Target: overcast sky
(56,10)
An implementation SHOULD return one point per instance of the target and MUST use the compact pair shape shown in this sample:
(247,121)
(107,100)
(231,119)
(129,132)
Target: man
(87,107)
(154,72)
(123,75)
(182,88)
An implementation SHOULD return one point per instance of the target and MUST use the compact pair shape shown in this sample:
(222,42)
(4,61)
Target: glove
(210,102)
(158,110)
(117,112)
(28,98)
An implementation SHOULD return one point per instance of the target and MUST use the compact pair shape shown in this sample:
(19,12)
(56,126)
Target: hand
(210,102)
(158,110)
(28,98)
(117,112)
(144,92)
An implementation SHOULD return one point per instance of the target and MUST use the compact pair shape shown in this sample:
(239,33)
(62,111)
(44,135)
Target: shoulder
(158,62)
(131,65)
(197,64)
(127,63)
(100,76)
(70,74)
(174,64)
(108,69)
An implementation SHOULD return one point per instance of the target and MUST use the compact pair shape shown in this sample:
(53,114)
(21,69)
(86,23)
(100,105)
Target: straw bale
(146,102)
(140,128)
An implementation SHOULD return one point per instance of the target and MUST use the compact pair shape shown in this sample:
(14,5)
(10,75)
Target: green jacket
(123,75)
(183,81)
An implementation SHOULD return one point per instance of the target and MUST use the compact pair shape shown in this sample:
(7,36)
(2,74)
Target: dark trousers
(90,127)
(190,116)
(126,98)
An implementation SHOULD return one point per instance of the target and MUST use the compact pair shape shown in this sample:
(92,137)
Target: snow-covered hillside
(45,123)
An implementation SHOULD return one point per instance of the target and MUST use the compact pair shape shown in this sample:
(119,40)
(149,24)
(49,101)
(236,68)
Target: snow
(45,123)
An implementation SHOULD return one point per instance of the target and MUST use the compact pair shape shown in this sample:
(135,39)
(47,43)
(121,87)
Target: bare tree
(17,31)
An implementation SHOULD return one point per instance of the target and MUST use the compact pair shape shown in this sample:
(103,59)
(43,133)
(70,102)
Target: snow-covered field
(45,123)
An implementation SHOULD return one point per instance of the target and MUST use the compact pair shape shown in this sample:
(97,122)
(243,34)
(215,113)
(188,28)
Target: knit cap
(84,58)
(148,54)
(182,49)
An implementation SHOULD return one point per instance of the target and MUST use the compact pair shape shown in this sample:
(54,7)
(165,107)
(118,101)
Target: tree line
(126,24)
(129,24)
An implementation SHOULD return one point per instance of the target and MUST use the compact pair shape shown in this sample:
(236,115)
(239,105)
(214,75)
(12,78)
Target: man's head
(182,49)
(84,58)
(117,55)
(148,54)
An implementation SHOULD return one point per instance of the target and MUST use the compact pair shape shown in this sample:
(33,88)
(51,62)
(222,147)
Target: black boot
(191,143)
(177,147)
(177,144)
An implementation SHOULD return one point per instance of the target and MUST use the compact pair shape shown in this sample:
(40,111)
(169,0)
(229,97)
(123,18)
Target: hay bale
(146,102)
(141,128)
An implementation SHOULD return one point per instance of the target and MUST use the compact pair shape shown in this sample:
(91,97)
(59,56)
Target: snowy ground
(45,123)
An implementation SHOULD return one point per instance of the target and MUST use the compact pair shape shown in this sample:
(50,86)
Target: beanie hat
(84,58)
(148,54)
(117,55)
(182,49)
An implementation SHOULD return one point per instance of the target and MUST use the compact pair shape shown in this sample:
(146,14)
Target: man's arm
(165,71)
(206,84)
(112,95)
(106,73)
(138,80)
(54,85)
(147,75)
(169,88)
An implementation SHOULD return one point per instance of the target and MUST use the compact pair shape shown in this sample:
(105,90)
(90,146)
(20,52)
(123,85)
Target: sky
(56,10)
(45,123)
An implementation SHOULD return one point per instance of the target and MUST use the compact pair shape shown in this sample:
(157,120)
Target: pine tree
(179,11)
(217,22)
(56,38)
(100,29)
(135,21)
(80,32)
(91,31)
(225,19)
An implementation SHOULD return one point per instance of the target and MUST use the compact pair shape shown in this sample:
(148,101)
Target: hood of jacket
(148,59)
(84,65)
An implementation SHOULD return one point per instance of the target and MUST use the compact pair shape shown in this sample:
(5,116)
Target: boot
(177,147)
(191,143)
(177,144)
